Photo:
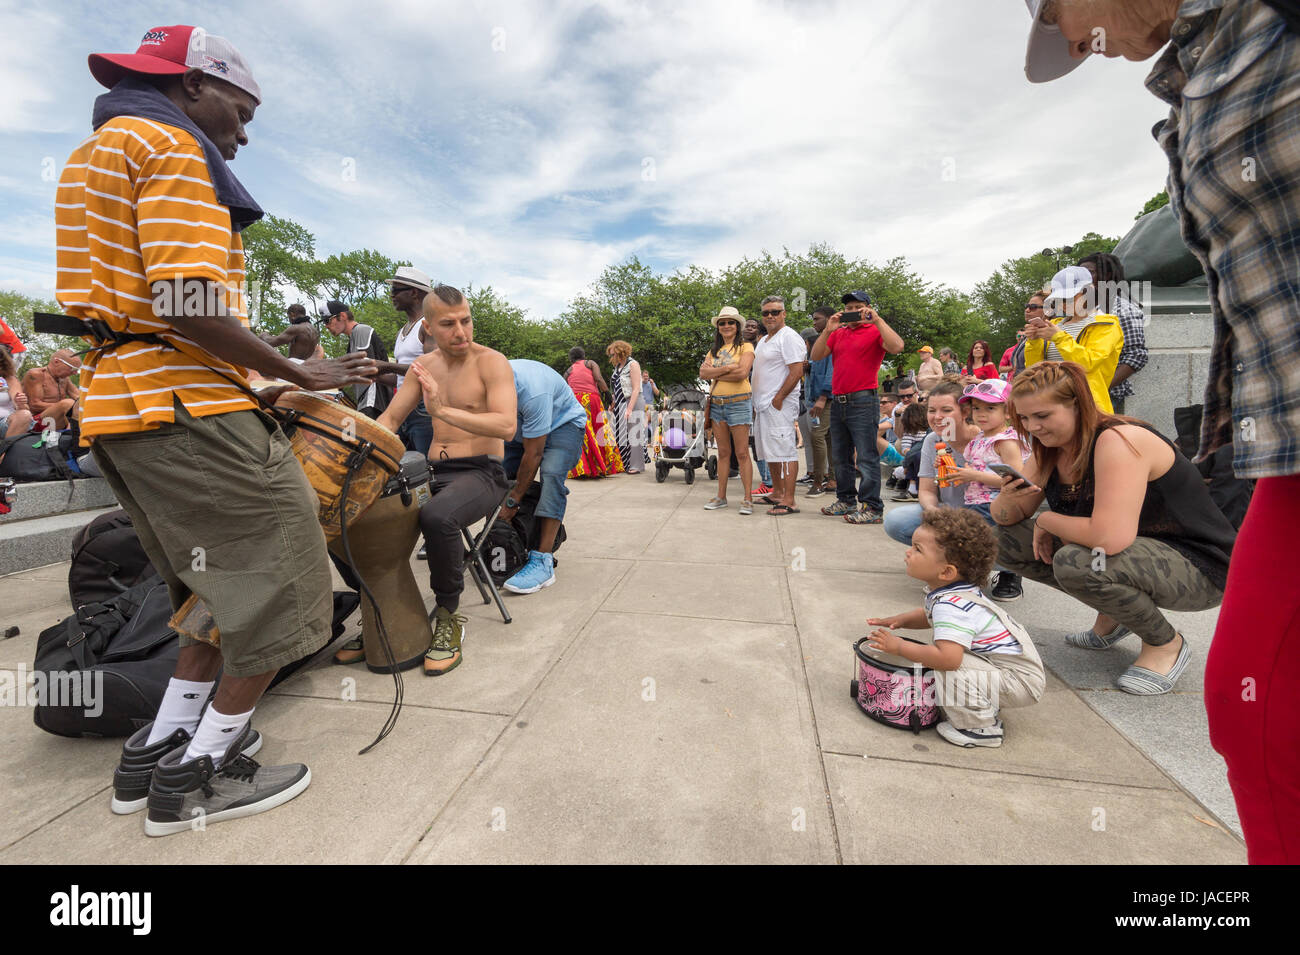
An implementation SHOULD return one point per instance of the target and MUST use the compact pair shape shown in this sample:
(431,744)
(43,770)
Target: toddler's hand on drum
(884,641)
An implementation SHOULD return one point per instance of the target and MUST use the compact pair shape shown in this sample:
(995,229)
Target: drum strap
(108,338)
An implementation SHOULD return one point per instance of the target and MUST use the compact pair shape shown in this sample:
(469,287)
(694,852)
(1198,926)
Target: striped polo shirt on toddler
(138,221)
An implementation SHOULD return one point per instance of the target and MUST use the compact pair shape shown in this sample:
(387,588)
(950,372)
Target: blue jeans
(563,450)
(416,431)
(901,523)
(853,428)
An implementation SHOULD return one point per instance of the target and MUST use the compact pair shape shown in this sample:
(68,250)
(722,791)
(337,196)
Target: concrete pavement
(680,695)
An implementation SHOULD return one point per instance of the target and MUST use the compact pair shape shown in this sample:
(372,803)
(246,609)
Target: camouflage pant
(1129,587)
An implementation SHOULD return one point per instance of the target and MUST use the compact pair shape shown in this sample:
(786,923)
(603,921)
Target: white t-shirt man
(774,429)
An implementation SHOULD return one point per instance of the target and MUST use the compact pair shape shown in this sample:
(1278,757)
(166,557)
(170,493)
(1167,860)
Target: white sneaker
(980,736)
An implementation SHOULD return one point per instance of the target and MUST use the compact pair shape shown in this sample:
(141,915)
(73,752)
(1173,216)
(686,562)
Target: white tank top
(6,400)
(407,348)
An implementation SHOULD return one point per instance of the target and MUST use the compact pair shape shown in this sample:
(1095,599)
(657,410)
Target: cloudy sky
(528,145)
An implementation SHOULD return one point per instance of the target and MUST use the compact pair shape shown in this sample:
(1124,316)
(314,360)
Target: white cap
(409,275)
(1048,55)
(1069,282)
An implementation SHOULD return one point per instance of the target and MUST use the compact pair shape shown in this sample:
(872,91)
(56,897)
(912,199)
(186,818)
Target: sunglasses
(1031,307)
(907,397)
(770,312)
(720,324)
(983,388)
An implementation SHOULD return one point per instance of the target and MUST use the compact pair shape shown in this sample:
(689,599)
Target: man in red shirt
(858,338)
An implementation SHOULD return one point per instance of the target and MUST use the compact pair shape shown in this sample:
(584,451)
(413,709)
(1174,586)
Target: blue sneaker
(539,572)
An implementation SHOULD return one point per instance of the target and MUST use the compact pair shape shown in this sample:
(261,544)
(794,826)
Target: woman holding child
(1131,526)
(731,403)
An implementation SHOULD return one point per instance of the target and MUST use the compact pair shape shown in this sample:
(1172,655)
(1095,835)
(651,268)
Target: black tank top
(1177,511)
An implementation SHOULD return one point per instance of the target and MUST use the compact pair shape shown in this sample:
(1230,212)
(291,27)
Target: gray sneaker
(135,769)
(715,503)
(189,795)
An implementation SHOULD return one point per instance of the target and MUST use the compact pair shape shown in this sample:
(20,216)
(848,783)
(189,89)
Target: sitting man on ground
(552,425)
(469,391)
(50,392)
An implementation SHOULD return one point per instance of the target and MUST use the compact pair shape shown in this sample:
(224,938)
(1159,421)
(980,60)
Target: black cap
(333,307)
(858,296)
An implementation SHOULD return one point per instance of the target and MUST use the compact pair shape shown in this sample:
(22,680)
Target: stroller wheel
(712,467)
(661,473)
(690,475)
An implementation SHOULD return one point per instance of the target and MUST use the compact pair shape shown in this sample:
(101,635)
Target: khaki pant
(224,510)
(985,683)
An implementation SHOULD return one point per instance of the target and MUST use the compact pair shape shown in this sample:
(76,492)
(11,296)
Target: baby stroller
(678,443)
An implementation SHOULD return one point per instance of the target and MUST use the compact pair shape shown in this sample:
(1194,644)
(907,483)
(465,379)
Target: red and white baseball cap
(173,50)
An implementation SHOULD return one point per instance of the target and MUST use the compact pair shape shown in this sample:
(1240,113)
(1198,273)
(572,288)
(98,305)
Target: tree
(1001,297)
(1160,199)
(276,253)
(16,309)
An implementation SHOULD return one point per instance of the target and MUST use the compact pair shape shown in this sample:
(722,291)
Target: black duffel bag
(106,559)
(103,671)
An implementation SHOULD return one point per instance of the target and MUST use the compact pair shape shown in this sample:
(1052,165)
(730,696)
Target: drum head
(886,661)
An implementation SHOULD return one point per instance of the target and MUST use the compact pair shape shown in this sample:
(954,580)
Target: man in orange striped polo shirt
(148,217)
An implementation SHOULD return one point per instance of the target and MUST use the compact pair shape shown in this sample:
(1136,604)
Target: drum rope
(381,630)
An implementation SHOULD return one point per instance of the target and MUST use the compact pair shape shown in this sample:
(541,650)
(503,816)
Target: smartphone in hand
(1005,471)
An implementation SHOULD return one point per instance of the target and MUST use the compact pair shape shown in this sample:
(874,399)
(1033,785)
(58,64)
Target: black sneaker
(189,795)
(131,778)
(806,479)
(891,484)
(1007,588)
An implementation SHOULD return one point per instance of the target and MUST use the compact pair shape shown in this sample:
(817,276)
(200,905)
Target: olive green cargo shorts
(224,510)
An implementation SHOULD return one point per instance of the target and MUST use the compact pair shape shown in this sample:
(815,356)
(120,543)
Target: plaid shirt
(1232,76)
(1132,322)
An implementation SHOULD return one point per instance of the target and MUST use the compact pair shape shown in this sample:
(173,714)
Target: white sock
(180,709)
(215,734)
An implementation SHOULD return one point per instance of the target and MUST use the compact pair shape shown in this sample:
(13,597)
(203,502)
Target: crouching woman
(1130,529)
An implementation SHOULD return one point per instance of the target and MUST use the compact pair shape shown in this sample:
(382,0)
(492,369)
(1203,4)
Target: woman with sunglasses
(1130,528)
(731,402)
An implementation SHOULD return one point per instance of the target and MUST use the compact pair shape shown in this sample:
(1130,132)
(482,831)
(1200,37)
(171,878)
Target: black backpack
(106,559)
(103,670)
(532,528)
(22,460)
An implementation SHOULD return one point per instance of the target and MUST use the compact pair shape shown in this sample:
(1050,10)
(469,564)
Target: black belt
(843,399)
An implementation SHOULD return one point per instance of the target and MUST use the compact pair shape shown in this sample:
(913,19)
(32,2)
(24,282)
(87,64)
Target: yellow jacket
(1097,349)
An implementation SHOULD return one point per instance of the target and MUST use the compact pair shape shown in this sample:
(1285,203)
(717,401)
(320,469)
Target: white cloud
(502,144)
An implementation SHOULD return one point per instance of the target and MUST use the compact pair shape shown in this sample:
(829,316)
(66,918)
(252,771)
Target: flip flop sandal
(1143,682)
(780,510)
(769,500)
(1088,639)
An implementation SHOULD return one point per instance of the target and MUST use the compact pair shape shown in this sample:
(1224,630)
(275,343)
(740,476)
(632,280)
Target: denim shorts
(733,413)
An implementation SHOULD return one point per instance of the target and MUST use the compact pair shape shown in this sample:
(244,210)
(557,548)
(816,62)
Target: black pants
(464,490)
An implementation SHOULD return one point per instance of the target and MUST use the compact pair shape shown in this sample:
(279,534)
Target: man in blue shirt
(548,440)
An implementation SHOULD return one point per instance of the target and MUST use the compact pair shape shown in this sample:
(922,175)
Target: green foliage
(276,254)
(1157,201)
(16,309)
(1001,297)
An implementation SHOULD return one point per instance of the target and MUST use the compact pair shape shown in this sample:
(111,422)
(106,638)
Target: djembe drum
(347,457)
(381,541)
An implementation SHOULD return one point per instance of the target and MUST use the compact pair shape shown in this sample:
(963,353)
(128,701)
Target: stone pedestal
(1179,333)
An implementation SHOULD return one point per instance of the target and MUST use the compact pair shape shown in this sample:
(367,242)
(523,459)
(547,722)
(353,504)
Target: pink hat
(173,50)
(993,391)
